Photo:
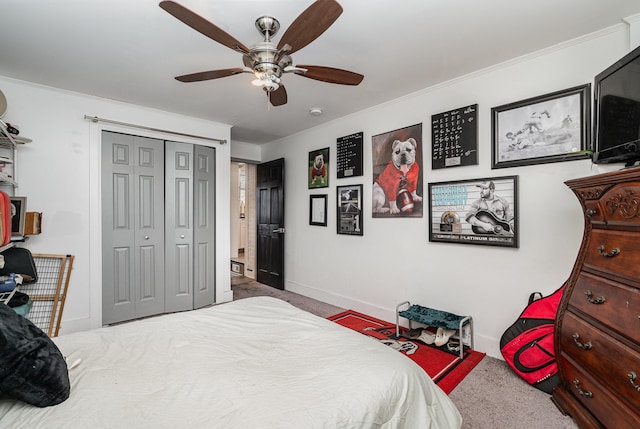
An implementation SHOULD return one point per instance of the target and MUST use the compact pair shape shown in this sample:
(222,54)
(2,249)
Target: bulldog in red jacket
(401,174)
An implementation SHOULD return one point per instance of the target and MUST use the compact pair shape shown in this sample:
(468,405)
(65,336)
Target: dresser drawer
(614,362)
(599,401)
(613,304)
(614,253)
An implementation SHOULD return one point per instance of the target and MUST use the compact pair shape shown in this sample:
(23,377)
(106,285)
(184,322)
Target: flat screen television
(616,114)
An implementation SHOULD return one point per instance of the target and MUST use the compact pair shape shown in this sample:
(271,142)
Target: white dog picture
(319,168)
(397,173)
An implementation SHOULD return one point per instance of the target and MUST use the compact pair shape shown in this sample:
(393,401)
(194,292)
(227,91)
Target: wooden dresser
(598,323)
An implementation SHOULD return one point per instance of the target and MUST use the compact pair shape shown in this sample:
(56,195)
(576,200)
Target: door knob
(146,237)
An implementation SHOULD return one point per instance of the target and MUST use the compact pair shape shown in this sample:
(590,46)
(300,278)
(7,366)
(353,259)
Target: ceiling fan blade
(208,75)
(278,97)
(310,24)
(202,25)
(331,75)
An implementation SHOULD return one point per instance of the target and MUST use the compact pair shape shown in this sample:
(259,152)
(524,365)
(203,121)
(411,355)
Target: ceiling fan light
(257,82)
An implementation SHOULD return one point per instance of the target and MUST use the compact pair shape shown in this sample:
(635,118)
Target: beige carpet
(490,397)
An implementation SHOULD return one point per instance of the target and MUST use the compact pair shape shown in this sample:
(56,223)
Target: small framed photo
(550,128)
(319,168)
(318,210)
(349,209)
(18,215)
(479,211)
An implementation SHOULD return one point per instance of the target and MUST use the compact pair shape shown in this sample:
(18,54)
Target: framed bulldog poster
(397,173)
(479,211)
(319,168)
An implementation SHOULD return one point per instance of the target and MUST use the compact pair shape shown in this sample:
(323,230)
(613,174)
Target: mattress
(253,363)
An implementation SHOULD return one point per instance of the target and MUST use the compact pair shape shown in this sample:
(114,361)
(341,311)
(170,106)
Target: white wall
(247,152)
(59,172)
(394,261)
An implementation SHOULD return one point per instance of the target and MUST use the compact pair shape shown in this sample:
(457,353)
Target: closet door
(179,226)
(132,227)
(204,257)
(190,226)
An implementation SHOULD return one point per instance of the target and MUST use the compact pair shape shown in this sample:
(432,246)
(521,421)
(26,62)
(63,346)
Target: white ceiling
(130,50)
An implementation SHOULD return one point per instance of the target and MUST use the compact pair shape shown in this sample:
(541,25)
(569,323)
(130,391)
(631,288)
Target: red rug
(445,368)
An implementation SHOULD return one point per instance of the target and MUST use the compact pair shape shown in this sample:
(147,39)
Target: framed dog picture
(480,211)
(319,168)
(349,209)
(397,173)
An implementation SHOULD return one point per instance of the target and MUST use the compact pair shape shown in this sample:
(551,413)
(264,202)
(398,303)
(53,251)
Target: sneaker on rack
(427,337)
(443,335)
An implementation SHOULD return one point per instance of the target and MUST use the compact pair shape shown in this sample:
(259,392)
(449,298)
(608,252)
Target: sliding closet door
(204,256)
(132,227)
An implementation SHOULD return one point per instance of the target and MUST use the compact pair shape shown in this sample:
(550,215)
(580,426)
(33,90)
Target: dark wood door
(270,214)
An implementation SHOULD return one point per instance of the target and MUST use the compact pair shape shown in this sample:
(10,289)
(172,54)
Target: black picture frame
(18,216)
(318,209)
(478,211)
(554,127)
(454,138)
(349,209)
(318,168)
(349,155)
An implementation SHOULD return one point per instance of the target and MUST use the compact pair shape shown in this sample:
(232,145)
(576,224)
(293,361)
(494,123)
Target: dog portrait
(319,168)
(397,173)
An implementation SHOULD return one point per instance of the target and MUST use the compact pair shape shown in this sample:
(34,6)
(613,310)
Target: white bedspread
(249,364)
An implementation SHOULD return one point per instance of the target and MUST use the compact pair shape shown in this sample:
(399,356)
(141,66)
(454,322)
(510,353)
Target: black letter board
(454,138)
(349,155)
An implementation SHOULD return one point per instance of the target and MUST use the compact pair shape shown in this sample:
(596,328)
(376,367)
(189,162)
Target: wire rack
(49,293)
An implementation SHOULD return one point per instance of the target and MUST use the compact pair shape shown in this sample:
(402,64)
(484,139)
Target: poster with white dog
(397,173)
(319,168)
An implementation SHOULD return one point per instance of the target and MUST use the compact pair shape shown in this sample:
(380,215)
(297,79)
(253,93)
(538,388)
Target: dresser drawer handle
(584,393)
(592,300)
(611,254)
(586,346)
(591,212)
(632,378)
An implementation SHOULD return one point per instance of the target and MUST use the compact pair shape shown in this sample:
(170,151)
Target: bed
(253,363)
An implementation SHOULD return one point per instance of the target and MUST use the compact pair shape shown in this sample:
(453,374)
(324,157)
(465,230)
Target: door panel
(270,242)
(149,227)
(179,226)
(133,232)
(204,237)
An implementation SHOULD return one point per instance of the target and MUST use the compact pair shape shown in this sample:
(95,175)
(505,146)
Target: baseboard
(482,343)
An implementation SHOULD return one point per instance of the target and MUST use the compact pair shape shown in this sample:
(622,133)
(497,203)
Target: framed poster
(550,128)
(349,209)
(319,168)
(479,211)
(454,138)
(397,173)
(318,210)
(349,155)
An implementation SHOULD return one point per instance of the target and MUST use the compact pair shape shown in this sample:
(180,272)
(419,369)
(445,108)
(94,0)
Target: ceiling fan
(266,60)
